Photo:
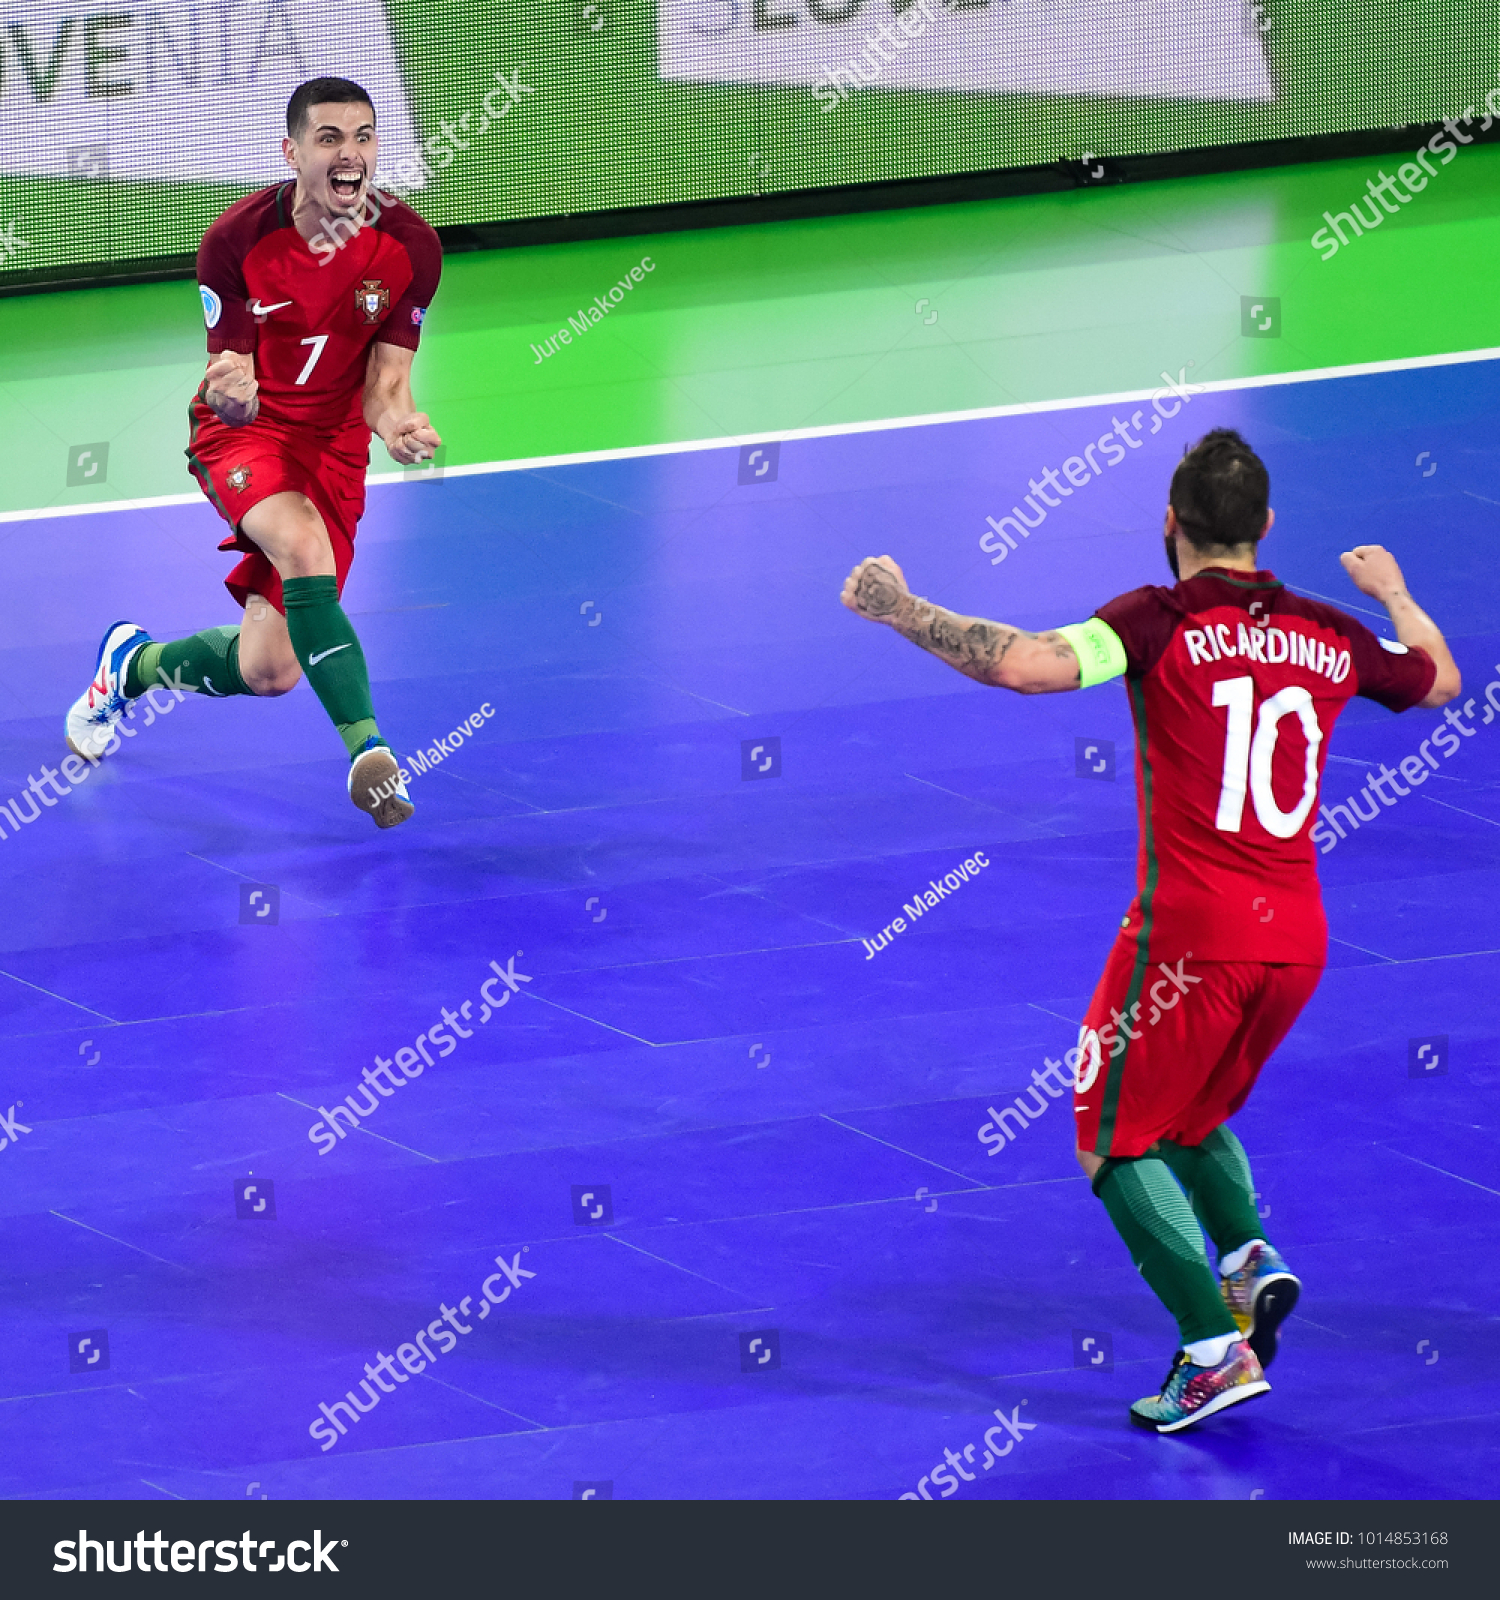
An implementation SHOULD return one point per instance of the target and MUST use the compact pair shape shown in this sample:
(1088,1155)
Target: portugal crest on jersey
(373,298)
(238,478)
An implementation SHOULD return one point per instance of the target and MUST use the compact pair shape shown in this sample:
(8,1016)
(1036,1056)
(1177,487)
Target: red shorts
(239,467)
(1170,1050)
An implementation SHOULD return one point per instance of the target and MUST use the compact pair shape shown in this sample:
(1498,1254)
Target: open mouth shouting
(346,184)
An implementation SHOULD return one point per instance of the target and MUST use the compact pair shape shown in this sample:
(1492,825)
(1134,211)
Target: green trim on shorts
(1115,1073)
(1101,655)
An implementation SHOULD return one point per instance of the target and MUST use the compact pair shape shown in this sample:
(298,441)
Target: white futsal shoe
(375,785)
(90,724)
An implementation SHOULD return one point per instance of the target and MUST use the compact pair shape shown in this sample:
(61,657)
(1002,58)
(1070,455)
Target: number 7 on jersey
(317,341)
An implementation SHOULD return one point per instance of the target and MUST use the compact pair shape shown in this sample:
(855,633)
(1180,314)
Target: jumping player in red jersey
(314,294)
(1235,685)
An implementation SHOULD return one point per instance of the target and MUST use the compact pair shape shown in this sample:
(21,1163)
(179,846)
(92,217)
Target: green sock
(1216,1175)
(1152,1216)
(328,649)
(205,663)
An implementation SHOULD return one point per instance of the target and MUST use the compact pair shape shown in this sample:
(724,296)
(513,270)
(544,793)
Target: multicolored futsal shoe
(1192,1393)
(90,724)
(375,785)
(1260,1297)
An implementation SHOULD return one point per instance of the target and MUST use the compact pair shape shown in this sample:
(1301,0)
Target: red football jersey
(1235,686)
(309,311)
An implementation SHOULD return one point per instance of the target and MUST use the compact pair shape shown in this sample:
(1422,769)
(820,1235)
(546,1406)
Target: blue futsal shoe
(1261,1296)
(90,725)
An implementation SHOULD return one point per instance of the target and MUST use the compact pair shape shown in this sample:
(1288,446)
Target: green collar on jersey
(1261,580)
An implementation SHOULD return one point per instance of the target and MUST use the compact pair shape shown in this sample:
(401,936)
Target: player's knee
(307,551)
(1089,1162)
(275,680)
(302,546)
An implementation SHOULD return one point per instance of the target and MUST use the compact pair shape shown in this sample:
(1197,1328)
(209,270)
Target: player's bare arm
(233,393)
(390,410)
(1375,573)
(989,652)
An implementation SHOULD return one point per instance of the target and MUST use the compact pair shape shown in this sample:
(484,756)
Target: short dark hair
(321,92)
(1220,492)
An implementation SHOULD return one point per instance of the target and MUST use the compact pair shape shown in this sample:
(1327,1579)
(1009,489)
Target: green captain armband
(1100,654)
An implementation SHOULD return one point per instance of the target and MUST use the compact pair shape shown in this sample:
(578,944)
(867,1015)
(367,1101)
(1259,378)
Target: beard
(1171,548)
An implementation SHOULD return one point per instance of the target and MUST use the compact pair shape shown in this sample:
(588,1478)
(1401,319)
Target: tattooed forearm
(988,652)
(975,647)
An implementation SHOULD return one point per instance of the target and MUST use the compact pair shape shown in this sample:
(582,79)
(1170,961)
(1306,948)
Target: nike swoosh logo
(323,655)
(258,310)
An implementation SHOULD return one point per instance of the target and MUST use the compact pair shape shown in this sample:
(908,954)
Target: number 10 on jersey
(1248,758)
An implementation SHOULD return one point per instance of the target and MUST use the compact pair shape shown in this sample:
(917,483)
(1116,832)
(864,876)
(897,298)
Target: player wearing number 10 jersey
(1234,686)
(314,291)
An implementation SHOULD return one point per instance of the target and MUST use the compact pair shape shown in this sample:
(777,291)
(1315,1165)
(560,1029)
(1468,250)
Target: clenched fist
(876,589)
(412,439)
(232,391)
(1374,571)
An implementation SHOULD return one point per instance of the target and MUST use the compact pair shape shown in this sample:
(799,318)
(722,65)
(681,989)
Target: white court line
(832,430)
(124,1243)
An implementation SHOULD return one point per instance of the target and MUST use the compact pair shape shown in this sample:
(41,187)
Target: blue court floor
(705,1115)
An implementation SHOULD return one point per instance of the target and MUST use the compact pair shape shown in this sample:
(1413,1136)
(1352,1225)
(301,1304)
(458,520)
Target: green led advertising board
(125,128)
